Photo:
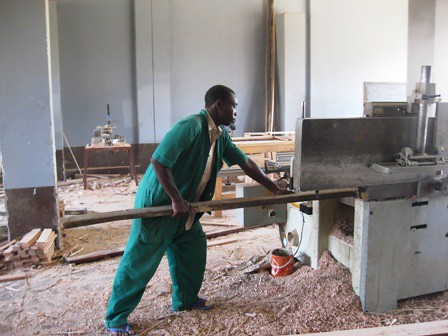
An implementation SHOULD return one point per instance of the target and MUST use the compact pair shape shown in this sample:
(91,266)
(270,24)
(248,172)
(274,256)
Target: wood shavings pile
(343,228)
(57,299)
(67,299)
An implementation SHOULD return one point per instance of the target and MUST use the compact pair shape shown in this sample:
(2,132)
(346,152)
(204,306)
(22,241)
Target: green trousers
(148,241)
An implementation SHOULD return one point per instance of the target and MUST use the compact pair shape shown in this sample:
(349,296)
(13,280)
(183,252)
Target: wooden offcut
(235,230)
(13,277)
(222,242)
(93,256)
(5,246)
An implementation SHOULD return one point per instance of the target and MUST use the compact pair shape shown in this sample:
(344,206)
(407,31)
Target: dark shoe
(201,305)
(121,331)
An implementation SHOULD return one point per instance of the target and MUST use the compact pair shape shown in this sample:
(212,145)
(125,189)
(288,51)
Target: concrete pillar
(26,121)
(56,89)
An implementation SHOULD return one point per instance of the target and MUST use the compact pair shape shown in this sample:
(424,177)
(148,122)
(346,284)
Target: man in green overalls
(183,169)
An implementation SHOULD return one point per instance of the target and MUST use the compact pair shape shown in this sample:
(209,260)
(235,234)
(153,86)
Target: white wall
(96,44)
(221,42)
(421,40)
(428,33)
(153,69)
(218,42)
(292,67)
(288,6)
(186,48)
(440,70)
(353,42)
(196,44)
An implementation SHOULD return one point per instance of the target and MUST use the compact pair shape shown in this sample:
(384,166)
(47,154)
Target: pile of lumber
(35,248)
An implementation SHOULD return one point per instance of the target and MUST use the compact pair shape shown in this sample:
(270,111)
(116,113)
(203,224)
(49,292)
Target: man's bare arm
(181,207)
(252,170)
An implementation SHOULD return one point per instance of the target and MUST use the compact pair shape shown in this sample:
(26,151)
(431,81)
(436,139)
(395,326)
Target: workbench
(120,146)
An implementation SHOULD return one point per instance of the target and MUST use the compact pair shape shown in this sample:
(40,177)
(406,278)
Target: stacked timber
(44,246)
(6,249)
(36,247)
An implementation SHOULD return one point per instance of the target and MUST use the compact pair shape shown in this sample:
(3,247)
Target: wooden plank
(48,242)
(74,181)
(5,246)
(254,138)
(75,211)
(206,223)
(222,242)
(228,195)
(8,252)
(218,196)
(98,176)
(236,230)
(251,147)
(30,238)
(94,256)
(44,237)
(226,204)
(13,277)
(255,134)
(435,328)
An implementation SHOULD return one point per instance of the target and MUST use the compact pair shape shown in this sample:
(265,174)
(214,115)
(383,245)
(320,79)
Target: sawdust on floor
(65,299)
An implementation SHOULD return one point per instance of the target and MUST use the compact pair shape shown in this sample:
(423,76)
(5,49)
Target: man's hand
(251,169)
(181,207)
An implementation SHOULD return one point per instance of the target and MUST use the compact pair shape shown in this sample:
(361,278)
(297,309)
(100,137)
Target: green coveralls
(185,150)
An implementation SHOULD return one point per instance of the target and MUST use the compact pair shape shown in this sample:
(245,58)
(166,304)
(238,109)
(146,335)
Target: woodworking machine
(397,242)
(103,133)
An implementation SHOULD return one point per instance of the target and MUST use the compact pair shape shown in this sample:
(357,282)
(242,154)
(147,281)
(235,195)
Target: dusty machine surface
(399,243)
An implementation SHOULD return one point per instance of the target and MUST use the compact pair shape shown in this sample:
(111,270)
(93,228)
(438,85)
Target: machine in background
(103,133)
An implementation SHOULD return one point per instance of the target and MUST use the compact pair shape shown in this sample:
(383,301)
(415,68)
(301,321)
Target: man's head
(221,103)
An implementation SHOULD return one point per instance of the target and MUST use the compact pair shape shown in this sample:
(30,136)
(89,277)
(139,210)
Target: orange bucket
(282,262)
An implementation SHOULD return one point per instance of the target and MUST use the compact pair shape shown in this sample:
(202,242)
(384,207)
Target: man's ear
(219,103)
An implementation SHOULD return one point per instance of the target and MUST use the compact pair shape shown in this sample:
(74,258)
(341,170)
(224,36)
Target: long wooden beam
(225,204)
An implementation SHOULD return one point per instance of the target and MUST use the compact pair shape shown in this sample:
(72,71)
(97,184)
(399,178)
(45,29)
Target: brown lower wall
(106,161)
(31,208)
(60,165)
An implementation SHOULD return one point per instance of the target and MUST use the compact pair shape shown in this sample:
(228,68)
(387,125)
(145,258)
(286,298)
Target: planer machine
(397,226)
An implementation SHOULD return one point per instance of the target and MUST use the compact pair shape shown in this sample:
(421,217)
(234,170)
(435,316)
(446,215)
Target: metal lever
(429,97)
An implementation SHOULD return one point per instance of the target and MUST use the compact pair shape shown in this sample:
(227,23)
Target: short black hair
(217,92)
